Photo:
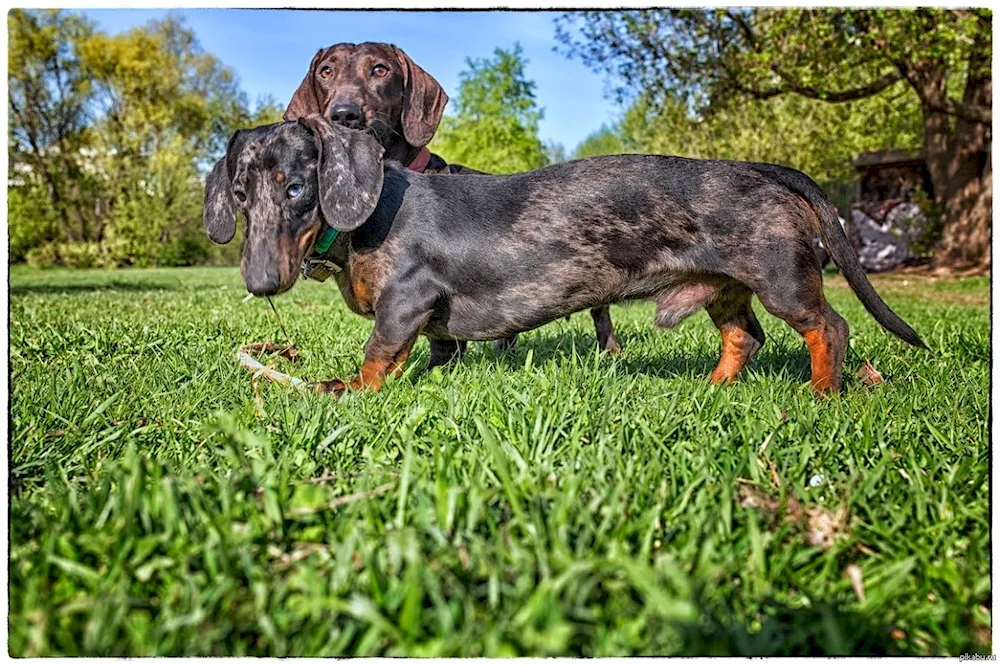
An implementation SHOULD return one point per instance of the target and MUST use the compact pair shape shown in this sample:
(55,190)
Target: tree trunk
(58,204)
(962,182)
(966,237)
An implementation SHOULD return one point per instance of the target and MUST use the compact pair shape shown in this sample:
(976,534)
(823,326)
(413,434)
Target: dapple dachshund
(378,88)
(483,257)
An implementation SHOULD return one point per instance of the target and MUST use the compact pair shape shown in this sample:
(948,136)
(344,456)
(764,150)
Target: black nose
(263,284)
(348,115)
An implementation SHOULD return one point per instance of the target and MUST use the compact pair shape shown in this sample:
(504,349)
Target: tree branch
(971,112)
(790,85)
(745,29)
(875,87)
(984,18)
(936,98)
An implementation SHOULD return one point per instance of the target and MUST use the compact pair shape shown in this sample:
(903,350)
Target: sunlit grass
(546,501)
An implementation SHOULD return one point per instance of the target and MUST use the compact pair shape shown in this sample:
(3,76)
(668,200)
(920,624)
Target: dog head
(375,87)
(288,180)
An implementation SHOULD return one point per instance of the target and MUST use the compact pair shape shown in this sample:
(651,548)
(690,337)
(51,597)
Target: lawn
(546,501)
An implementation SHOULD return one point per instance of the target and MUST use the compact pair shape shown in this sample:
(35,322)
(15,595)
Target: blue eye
(294,190)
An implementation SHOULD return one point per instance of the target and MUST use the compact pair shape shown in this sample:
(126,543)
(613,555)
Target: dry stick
(347,475)
(340,501)
(245,355)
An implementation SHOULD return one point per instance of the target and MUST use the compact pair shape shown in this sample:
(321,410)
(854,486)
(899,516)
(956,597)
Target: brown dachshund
(378,88)
(484,257)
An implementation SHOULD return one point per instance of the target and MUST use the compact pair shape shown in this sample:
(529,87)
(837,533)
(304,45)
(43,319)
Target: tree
(555,152)
(47,105)
(109,136)
(161,104)
(833,55)
(495,127)
(605,141)
(805,134)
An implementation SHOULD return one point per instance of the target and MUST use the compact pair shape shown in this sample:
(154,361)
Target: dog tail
(836,243)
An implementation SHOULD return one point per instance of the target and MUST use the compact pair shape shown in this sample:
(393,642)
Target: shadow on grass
(820,630)
(775,358)
(63,289)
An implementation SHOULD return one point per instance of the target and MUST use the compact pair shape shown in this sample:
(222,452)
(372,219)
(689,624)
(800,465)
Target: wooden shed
(891,174)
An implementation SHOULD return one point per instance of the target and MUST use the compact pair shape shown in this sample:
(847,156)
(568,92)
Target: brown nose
(348,115)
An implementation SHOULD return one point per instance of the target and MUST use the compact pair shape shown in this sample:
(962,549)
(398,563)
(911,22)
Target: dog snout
(262,267)
(263,283)
(349,115)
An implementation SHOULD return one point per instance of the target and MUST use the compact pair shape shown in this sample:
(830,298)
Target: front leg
(398,322)
(383,357)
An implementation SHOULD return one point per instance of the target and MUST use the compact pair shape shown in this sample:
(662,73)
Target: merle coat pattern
(377,87)
(484,257)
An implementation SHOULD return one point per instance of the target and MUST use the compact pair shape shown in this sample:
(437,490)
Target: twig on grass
(346,475)
(247,358)
(340,501)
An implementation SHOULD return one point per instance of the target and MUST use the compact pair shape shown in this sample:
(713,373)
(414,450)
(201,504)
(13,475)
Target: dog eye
(294,190)
(326,72)
(380,71)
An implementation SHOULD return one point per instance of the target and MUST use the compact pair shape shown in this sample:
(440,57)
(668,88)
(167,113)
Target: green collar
(325,241)
(318,266)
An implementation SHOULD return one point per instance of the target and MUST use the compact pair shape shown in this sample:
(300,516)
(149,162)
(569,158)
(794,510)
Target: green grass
(551,501)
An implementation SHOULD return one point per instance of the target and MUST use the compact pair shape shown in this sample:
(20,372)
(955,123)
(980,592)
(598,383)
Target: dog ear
(219,212)
(305,101)
(423,101)
(349,173)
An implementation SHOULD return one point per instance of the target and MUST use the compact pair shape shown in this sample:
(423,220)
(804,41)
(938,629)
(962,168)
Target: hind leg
(444,352)
(826,337)
(797,297)
(741,333)
(505,345)
(606,339)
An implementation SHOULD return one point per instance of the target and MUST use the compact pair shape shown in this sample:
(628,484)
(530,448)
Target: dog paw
(335,387)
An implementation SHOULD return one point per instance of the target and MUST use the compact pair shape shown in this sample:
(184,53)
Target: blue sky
(270,50)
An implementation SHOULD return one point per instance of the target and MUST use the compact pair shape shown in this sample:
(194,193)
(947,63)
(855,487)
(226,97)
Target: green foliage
(71,255)
(267,111)
(828,54)
(608,141)
(819,139)
(716,57)
(109,137)
(48,100)
(552,500)
(31,219)
(161,212)
(495,126)
(932,227)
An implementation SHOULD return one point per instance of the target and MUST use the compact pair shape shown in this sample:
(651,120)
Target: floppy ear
(349,173)
(219,212)
(423,101)
(305,101)
(220,209)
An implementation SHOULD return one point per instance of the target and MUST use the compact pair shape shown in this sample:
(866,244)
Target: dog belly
(527,306)
(501,314)
(509,284)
